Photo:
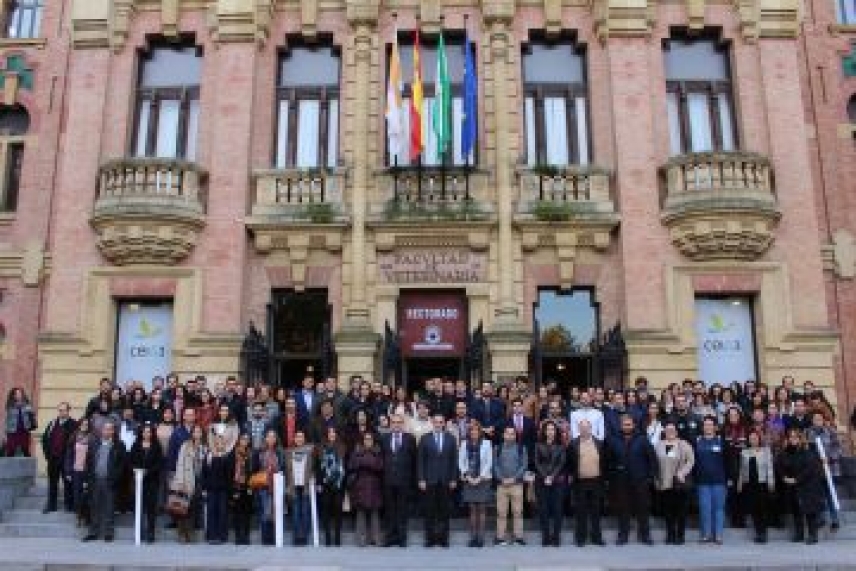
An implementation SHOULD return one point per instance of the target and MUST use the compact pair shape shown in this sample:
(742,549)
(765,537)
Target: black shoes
(90,537)
(108,538)
(622,540)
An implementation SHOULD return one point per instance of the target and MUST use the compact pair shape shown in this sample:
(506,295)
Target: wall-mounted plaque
(432,266)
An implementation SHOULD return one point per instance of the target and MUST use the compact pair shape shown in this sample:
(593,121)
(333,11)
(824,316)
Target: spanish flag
(394,104)
(416,142)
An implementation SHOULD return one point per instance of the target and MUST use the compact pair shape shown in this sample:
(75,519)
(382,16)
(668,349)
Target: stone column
(508,337)
(356,341)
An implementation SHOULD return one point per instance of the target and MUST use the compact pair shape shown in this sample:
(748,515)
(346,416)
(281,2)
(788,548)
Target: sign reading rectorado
(432,267)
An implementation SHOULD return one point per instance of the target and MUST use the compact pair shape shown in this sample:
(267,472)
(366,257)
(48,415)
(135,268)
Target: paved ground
(29,554)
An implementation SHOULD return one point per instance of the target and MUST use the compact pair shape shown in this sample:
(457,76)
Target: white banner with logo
(144,342)
(726,345)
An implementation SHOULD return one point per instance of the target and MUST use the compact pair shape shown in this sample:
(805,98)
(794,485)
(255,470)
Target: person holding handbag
(675,461)
(266,462)
(241,498)
(757,482)
(188,468)
(215,482)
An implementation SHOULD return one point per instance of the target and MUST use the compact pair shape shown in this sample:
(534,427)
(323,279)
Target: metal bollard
(313,503)
(138,505)
(278,489)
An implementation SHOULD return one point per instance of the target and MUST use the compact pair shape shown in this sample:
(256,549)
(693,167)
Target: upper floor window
(845,11)
(698,97)
(307,133)
(14,124)
(555,105)
(23,18)
(428,63)
(167,114)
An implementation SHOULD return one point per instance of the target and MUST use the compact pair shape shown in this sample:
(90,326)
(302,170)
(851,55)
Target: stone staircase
(25,519)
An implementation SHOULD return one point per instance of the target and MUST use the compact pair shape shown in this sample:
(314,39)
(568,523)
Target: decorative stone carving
(101,23)
(720,205)
(768,18)
(553,17)
(362,12)
(498,10)
(309,18)
(169,17)
(430,15)
(623,17)
(148,211)
(695,14)
(31,265)
(241,20)
(840,256)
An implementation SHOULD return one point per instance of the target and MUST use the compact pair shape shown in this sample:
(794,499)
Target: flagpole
(445,123)
(467,157)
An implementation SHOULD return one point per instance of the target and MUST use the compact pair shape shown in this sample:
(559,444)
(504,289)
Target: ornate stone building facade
(228,158)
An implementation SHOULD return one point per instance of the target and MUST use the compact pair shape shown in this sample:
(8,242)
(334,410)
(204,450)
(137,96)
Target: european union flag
(469,129)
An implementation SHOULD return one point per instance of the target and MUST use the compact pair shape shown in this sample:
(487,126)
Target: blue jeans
(300,514)
(711,510)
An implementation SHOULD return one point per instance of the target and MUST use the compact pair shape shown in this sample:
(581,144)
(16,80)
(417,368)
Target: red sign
(432,324)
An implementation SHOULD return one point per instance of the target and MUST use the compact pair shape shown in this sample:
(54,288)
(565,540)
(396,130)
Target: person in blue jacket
(633,467)
(711,482)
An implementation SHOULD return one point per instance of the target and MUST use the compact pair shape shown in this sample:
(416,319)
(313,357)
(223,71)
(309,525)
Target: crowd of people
(210,456)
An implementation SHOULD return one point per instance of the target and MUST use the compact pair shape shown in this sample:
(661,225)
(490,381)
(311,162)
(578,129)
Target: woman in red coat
(366,467)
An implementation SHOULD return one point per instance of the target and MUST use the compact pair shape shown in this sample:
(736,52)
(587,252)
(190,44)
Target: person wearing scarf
(241,501)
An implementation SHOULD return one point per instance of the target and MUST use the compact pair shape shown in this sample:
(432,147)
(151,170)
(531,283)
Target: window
(307,133)
(851,113)
(14,124)
(845,12)
(455,63)
(168,103)
(555,105)
(698,97)
(23,18)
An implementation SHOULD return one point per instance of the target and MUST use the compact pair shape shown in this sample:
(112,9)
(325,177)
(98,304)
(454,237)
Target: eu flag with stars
(469,133)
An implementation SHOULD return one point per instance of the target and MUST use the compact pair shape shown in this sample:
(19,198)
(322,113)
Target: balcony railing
(148,211)
(559,193)
(720,205)
(734,171)
(436,192)
(313,195)
(153,181)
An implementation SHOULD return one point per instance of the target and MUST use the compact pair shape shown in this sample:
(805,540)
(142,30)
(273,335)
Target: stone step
(458,537)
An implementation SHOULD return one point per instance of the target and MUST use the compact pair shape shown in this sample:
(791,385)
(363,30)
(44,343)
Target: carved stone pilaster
(497,10)
(169,17)
(430,12)
(241,20)
(623,17)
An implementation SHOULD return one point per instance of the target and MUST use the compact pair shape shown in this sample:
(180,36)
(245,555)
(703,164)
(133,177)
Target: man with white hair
(587,412)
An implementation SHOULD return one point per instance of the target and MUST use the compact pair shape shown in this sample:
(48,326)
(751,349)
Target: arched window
(14,124)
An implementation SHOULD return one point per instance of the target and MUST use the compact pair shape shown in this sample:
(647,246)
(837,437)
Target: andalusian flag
(394,106)
(469,131)
(417,144)
(442,101)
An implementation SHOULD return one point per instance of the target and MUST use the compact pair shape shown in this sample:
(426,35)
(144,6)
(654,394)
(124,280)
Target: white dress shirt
(594,416)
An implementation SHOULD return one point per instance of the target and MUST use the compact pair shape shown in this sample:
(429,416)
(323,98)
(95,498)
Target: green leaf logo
(147,330)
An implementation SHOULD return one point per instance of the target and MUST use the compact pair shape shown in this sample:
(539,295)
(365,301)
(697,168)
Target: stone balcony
(291,204)
(435,193)
(720,205)
(148,210)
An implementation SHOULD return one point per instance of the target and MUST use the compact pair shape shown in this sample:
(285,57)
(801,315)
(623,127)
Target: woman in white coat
(475,462)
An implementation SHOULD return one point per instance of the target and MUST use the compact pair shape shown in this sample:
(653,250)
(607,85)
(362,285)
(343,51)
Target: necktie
(439,440)
(519,422)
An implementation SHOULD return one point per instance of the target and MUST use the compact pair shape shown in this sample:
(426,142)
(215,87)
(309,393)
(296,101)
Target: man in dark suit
(105,463)
(490,412)
(527,431)
(399,466)
(54,446)
(437,470)
(308,400)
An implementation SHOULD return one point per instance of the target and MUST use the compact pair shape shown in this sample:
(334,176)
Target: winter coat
(803,464)
(367,467)
(150,460)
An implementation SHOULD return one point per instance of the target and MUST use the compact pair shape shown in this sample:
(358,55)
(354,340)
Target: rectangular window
(307,133)
(698,97)
(455,63)
(167,117)
(555,112)
(14,159)
(845,12)
(24,18)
